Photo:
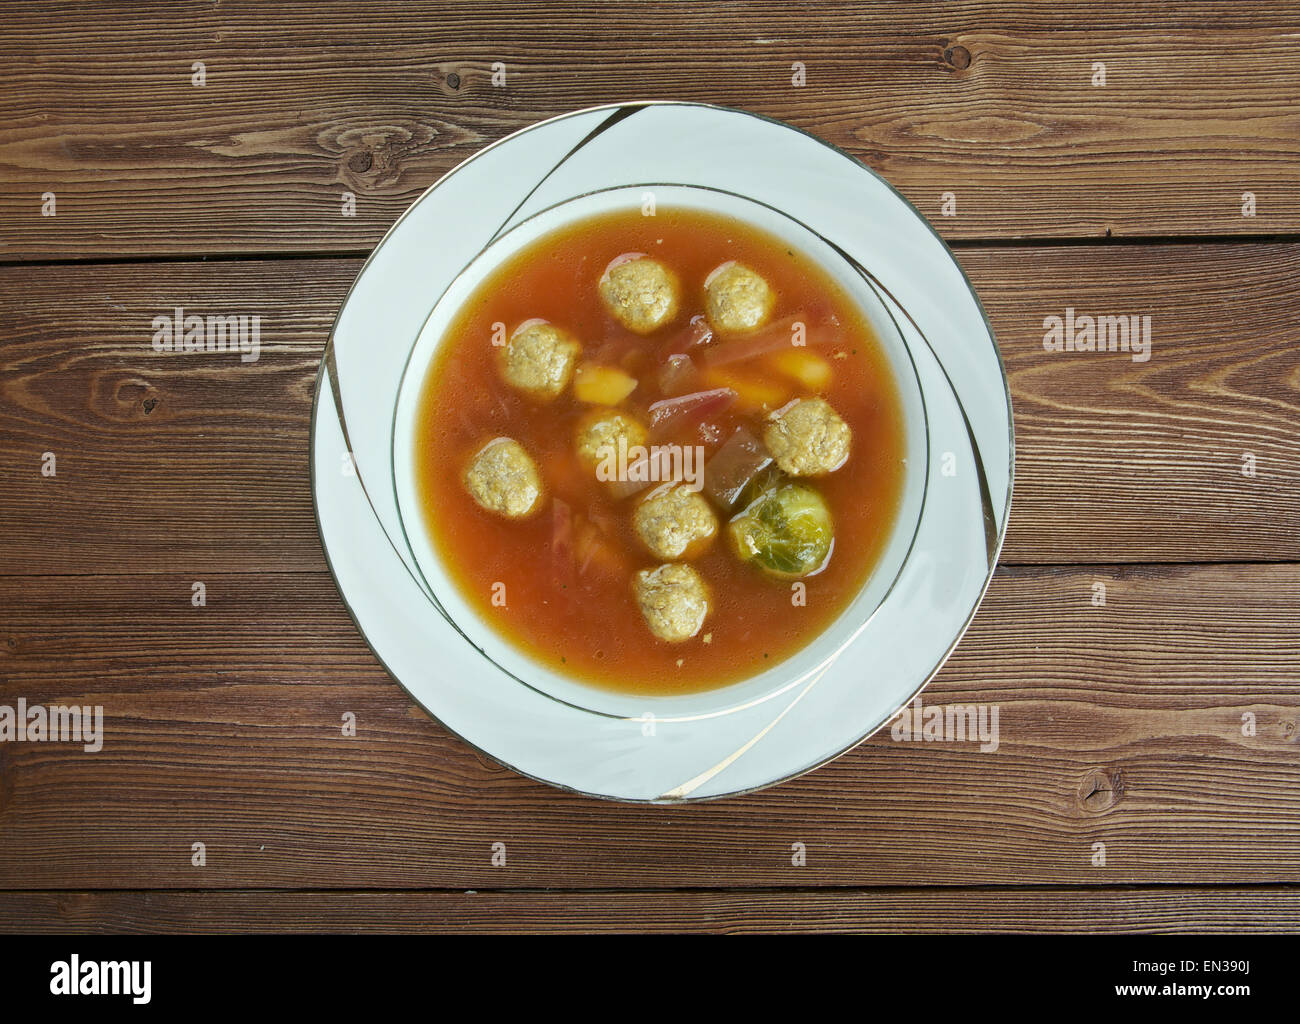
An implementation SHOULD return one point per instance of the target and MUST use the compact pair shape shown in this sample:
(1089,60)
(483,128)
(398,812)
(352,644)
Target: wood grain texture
(993,102)
(1162,911)
(173,462)
(1127,724)
(1120,724)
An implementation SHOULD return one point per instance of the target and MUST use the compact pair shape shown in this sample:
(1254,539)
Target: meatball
(674,600)
(736,298)
(673,520)
(503,479)
(641,293)
(539,358)
(600,433)
(807,437)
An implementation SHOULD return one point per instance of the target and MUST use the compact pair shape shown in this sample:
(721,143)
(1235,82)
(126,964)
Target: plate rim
(325,366)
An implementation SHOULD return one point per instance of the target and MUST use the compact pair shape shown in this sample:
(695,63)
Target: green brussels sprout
(786,531)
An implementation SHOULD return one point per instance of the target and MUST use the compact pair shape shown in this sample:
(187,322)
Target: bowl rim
(808,658)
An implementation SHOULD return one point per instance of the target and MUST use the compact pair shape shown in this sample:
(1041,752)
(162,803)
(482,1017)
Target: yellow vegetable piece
(753,394)
(602,385)
(808,368)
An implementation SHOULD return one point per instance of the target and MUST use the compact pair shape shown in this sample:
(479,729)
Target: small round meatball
(641,293)
(503,479)
(807,437)
(674,520)
(600,432)
(674,600)
(539,358)
(736,298)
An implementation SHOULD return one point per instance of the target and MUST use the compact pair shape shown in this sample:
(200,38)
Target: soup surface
(555,568)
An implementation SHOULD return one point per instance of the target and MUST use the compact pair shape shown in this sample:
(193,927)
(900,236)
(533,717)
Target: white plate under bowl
(872,661)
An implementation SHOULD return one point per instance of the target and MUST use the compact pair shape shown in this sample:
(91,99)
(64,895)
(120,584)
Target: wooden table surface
(1164,724)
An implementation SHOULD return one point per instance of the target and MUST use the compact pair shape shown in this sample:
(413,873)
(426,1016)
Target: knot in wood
(957,57)
(1100,790)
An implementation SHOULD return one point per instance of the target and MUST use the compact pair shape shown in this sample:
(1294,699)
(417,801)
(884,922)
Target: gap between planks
(993,242)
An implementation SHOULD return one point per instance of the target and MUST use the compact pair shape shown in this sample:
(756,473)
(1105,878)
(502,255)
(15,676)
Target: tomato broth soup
(718,361)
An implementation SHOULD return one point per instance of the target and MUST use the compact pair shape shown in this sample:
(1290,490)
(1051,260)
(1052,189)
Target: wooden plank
(302,103)
(197,463)
(1192,455)
(1162,911)
(1121,724)
(163,460)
